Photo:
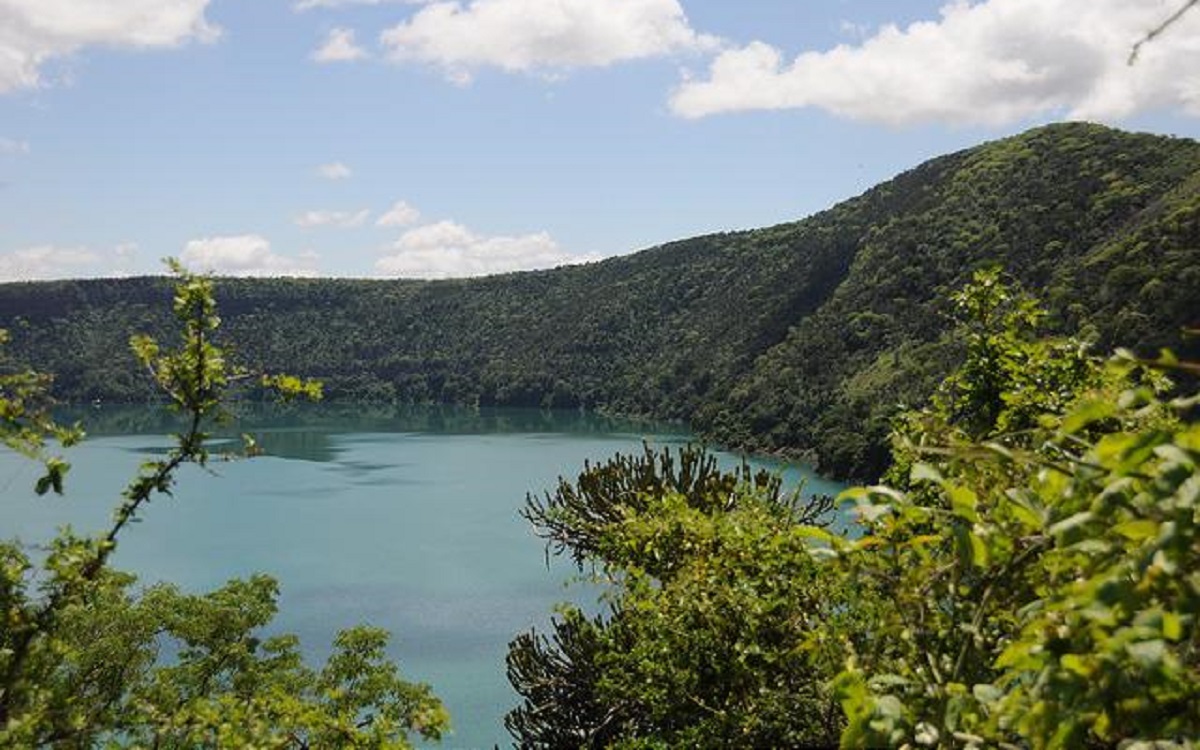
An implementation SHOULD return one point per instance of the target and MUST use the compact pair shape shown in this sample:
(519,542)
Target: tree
(81,649)
(711,589)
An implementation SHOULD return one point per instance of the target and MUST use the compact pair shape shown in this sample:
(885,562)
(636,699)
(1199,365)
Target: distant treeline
(803,337)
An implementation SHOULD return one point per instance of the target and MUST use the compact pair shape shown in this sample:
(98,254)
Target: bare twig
(1157,30)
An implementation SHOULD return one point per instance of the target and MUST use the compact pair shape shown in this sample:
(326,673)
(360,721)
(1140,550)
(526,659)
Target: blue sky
(408,138)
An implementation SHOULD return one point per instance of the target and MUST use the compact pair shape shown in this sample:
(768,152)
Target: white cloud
(334,171)
(991,62)
(125,254)
(10,146)
(48,262)
(399,215)
(339,46)
(854,30)
(541,35)
(242,255)
(449,250)
(343,219)
(310,4)
(34,32)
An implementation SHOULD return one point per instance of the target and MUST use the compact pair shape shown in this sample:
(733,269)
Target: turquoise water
(402,518)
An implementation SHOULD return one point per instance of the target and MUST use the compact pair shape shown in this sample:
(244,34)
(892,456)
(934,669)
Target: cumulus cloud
(990,62)
(541,35)
(343,219)
(449,250)
(48,262)
(334,171)
(242,255)
(399,215)
(34,32)
(10,146)
(339,46)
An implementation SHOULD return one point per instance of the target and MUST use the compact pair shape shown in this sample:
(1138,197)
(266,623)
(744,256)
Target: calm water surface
(402,518)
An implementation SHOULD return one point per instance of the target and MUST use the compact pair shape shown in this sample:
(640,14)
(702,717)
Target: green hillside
(803,337)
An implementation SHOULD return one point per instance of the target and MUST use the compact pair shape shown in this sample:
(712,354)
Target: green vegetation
(804,337)
(1028,579)
(714,593)
(1025,576)
(87,659)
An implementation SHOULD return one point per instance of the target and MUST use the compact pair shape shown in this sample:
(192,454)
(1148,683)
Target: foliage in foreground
(1027,579)
(87,659)
(1039,548)
(713,589)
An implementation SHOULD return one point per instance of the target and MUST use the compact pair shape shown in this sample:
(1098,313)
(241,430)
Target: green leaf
(872,512)
(1138,530)
(1174,454)
(963,502)
(814,532)
(1019,656)
(889,708)
(1023,511)
(1078,664)
(971,547)
(1087,412)
(1148,653)
(853,494)
(1172,626)
(979,550)
(986,693)
(925,472)
(1070,523)
(56,470)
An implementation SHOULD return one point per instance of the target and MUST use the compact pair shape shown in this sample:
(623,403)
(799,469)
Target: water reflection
(309,432)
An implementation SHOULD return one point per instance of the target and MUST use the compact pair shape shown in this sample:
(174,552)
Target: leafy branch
(79,663)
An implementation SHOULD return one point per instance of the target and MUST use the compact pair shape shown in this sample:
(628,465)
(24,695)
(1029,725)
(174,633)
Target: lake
(401,517)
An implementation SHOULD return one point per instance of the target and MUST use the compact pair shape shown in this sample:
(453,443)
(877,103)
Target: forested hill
(800,337)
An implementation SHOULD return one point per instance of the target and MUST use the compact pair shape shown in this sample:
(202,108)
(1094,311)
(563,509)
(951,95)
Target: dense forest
(805,337)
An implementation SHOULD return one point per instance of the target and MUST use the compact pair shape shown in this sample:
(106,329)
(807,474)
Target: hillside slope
(801,337)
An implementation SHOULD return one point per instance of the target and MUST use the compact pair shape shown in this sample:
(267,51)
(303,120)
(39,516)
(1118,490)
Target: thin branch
(1157,30)
(140,491)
